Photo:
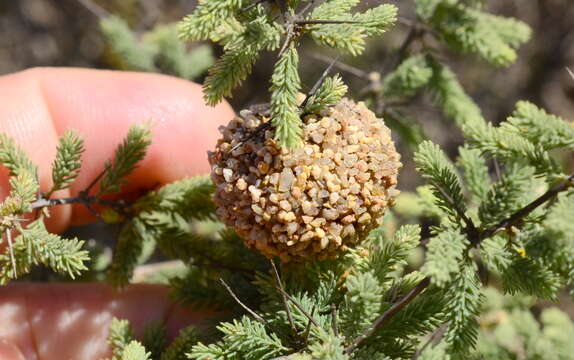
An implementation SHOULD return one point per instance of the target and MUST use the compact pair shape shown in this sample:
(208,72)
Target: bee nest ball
(311,202)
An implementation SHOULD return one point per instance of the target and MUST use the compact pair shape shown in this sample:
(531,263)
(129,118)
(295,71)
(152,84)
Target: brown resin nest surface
(311,202)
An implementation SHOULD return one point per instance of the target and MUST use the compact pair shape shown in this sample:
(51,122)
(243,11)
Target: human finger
(71,321)
(41,104)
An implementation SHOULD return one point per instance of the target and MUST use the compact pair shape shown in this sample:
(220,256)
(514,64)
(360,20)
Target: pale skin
(70,321)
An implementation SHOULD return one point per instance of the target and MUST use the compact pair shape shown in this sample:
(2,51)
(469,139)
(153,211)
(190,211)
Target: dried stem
(11,251)
(94,8)
(517,217)
(298,306)
(392,311)
(86,200)
(319,82)
(342,66)
(253,313)
(283,297)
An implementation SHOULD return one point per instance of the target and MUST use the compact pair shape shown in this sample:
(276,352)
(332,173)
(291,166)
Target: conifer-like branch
(514,219)
(517,217)
(387,315)
(66,166)
(230,22)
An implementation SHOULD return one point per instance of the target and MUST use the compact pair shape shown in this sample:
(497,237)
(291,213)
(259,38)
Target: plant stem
(283,297)
(253,313)
(515,218)
(342,66)
(387,315)
(86,200)
(318,84)
(95,9)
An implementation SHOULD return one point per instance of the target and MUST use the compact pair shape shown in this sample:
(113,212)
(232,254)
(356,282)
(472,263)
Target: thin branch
(515,218)
(308,327)
(86,200)
(342,66)
(253,313)
(570,72)
(471,229)
(87,190)
(318,83)
(11,251)
(288,38)
(392,311)
(436,335)
(334,321)
(497,169)
(321,22)
(251,6)
(283,297)
(93,211)
(94,8)
(298,306)
(306,8)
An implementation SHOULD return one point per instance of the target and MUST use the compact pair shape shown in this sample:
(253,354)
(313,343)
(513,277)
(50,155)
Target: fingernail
(9,351)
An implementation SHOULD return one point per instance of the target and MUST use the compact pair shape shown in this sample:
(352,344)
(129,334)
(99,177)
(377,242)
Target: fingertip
(9,351)
(71,321)
(102,105)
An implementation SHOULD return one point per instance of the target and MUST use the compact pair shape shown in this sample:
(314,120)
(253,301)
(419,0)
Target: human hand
(70,321)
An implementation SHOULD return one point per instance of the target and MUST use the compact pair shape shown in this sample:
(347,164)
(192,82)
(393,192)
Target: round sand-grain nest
(311,202)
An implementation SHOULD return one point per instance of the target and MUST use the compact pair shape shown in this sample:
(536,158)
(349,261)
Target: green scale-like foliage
(124,43)
(286,84)
(31,244)
(163,218)
(35,245)
(157,50)
(67,164)
(246,28)
(333,310)
(329,93)
(469,30)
